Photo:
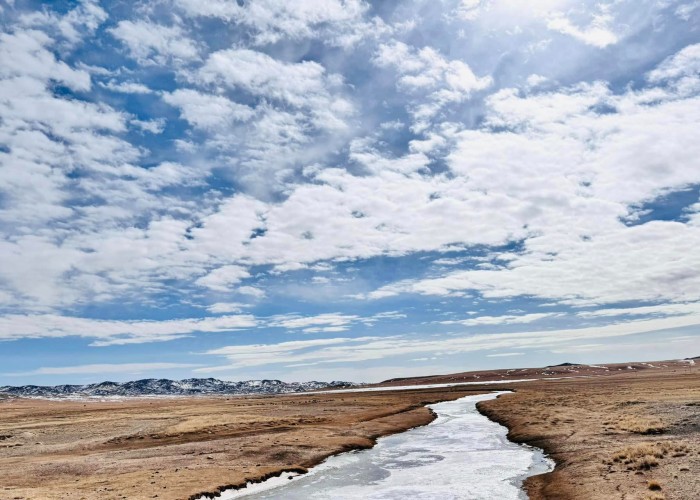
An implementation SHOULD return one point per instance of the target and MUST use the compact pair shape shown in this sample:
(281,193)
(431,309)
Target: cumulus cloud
(71,27)
(153,43)
(559,163)
(305,85)
(680,70)
(222,278)
(25,56)
(426,68)
(425,73)
(400,208)
(153,126)
(336,22)
(207,111)
(126,87)
(597,33)
(260,74)
(264,117)
(576,274)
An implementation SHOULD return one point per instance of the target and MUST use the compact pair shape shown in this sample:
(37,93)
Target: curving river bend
(460,455)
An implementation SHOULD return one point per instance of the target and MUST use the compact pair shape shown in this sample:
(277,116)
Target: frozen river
(460,455)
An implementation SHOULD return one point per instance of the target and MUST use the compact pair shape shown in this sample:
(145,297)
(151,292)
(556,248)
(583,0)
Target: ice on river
(460,455)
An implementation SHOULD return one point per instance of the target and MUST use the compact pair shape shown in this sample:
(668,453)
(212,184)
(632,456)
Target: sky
(344,189)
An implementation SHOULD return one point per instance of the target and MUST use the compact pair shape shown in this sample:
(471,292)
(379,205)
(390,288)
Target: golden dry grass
(654,485)
(644,456)
(641,425)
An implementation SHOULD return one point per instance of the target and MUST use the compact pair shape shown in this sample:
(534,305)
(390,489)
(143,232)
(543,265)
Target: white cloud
(542,164)
(113,332)
(662,310)
(207,111)
(425,73)
(63,250)
(469,10)
(222,278)
(426,68)
(295,112)
(536,80)
(299,84)
(253,291)
(681,69)
(47,137)
(597,33)
(152,43)
(296,351)
(24,55)
(576,276)
(337,22)
(226,307)
(686,10)
(355,350)
(564,177)
(329,322)
(333,319)
(72,26)
(126,87)
(152,126)
(501,320)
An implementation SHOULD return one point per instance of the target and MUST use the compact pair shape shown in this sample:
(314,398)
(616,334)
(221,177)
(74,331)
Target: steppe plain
(629,431)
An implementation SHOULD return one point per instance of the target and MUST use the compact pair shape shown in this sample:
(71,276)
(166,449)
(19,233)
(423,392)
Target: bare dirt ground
(626,432)
(177,448)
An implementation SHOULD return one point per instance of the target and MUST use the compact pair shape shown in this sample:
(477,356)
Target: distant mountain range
(166,387)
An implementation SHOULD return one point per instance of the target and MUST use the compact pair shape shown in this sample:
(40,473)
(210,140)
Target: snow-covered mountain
(166,387)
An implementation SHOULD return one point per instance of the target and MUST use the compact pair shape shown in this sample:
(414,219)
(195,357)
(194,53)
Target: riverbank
(461,454)
(632,436)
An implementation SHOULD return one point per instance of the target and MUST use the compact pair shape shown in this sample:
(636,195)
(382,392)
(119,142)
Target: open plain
(614,432)
(178,447)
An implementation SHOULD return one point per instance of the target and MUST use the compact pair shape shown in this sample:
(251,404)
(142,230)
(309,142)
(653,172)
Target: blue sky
(343,189)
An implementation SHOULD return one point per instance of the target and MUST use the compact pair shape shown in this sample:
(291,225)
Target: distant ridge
(166,387)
